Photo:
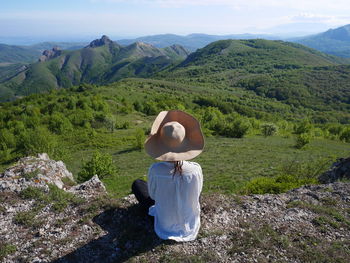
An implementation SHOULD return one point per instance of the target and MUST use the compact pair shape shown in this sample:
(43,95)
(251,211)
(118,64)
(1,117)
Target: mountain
(334,41)
(16,54)
(100,62)
(190,42)
(288,72)
(29,54)
(62,45)
(234,53)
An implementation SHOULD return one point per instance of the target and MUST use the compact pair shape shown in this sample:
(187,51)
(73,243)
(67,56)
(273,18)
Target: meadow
(74,124)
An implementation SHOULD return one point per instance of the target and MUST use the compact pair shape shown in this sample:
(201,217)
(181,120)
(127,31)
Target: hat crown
(173,133)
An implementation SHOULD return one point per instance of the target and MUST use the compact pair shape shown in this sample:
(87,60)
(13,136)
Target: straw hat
(175,136)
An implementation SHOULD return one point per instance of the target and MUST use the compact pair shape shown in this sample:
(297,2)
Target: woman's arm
(151,183)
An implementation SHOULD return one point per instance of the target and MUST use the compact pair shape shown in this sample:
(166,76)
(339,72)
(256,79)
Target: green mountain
(102,61)
(287,72)
(334,41)
(17,54)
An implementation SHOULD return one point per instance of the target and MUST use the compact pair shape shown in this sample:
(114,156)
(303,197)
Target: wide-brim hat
(175,136)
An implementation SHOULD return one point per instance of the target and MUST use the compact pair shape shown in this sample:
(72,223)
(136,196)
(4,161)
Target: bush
(345,135)
(100,164)
(303,127)
(139,139)
(236,129)
(36,141)
(268,129)
(59,124)
(302,140)
(110,122)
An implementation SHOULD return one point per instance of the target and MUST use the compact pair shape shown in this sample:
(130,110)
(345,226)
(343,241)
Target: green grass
(228,164)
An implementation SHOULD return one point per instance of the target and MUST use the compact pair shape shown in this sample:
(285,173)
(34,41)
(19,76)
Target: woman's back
(176,209)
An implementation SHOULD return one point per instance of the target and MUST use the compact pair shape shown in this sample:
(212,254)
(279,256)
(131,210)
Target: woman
(174,185)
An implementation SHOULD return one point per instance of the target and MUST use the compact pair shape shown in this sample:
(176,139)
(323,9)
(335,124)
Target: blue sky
(129,18)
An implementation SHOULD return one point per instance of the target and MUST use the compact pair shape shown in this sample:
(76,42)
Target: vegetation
(6,249)
(260,103)
(58,198)
(100,164)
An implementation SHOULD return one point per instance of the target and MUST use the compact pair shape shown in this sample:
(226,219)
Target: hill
(289,72)
(334,41)
(102,61)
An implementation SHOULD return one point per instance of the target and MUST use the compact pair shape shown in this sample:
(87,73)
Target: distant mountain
(62,45)
(334,41)
(190,42)
(102,61)
(16,54)
(29,54)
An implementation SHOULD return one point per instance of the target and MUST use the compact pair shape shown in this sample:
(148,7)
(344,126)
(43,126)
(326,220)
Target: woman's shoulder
(193,165)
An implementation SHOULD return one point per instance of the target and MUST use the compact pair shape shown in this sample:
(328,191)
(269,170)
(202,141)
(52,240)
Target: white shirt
(176,211)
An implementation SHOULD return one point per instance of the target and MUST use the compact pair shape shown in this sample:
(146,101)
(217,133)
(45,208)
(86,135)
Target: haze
(83,19)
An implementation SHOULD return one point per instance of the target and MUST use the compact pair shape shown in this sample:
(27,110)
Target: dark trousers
(140,189)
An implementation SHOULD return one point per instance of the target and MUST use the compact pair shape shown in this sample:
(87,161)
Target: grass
(6,249)
(58,198)
(227,163)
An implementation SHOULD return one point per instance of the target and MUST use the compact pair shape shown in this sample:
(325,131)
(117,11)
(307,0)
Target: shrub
(59,124)
(139,139)
(302,140)
(345,135)
(268,129)
(100,164)
(36,141)
(110,122)
(303,127)
(236,129)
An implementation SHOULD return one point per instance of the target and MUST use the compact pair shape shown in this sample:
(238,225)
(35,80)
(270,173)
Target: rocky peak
(49,54)
(104,40)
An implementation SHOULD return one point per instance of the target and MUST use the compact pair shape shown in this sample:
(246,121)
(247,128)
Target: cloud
(340,5)
(319,18)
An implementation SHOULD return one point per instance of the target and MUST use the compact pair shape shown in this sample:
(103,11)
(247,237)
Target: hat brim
(191,146)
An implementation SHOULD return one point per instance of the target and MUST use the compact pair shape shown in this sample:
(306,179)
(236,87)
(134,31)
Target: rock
(34,171)
(104,40)
(339,170)
(49,54)
(89,188)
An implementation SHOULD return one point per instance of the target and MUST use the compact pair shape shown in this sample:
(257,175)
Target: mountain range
(334,41)
(102,61)
(277,70)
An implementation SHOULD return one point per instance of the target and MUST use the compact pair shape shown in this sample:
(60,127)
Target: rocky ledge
(45,217)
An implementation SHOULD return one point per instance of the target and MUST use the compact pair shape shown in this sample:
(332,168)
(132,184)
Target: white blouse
(176,211)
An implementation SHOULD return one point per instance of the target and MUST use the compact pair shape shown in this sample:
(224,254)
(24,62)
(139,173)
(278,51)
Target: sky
(132,18)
